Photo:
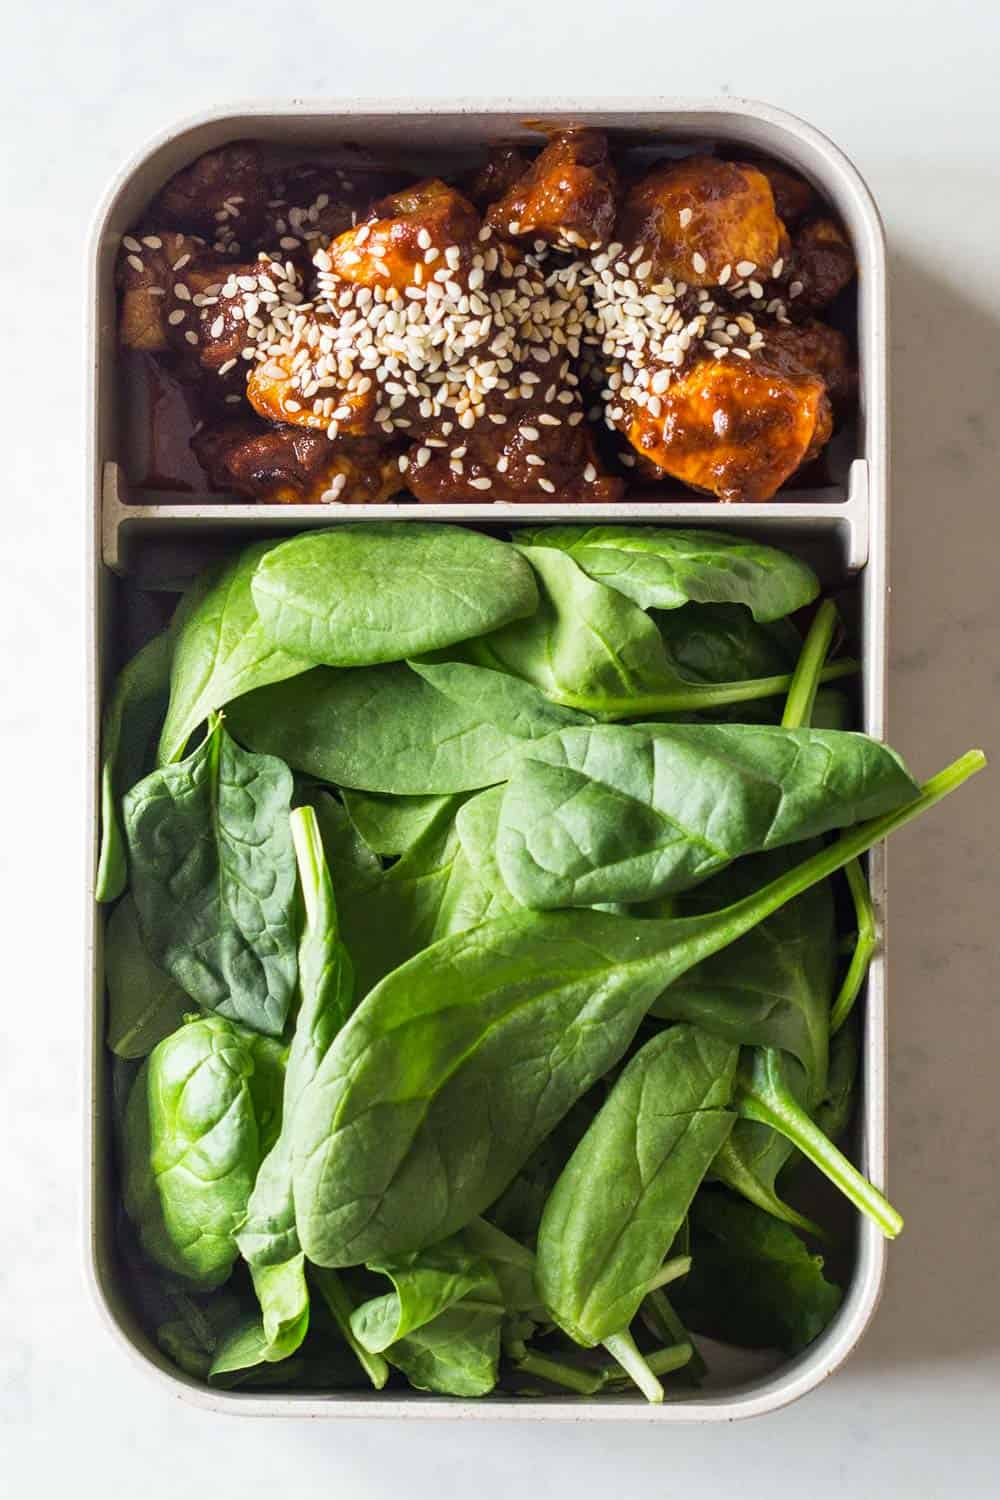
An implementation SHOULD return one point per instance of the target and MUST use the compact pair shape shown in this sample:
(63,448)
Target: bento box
(138,539)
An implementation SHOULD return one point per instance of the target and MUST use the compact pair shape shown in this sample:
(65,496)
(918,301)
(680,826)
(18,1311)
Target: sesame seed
(215,331)
(725,274)
(745,267)
(699,262)
(177,316)
(225,368)
(181,292)
(153,241)
(191,336)
(777,268)
(756,290)
(590,473)
(684,217)
(547,486)
(481,484)
(530,434)
(795,289)
(130,243)
(135,262)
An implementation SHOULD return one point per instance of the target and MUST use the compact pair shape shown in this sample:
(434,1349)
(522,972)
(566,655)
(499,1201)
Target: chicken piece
(310,392)
(223,196)
(311,203)
(793,196)
(216,316)
(822,264)
(735,428)
(567,197)
(522,451)
(147,270)
(816,347)
(292,466)
(407,238)
(702,221)
(504,166)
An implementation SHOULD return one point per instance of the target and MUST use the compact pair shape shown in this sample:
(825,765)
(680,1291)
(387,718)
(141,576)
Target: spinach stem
(623,1348)
(690,697)
(671,1270)
(772,1103)
(585,1382)
(864,947)
(657,1312)
(805,678)
(335,1296)
(798,710)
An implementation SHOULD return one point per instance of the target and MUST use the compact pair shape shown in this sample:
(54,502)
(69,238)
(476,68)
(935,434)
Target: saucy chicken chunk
(818,348)
(567,197)
(222,197)
(735,428)
(293,466)
(823,263)
(391,247)
(147,272)
(529,449)
(703,222)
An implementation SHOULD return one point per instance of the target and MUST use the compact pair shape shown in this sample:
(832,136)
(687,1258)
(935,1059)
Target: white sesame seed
(699,262)
(135,262)
(481,484)
(130,243)
(778,267)
(177,316)
(181,292)
(547,486)
(795,289)
(684,217)
(745,267)
(153,241)
(191,336)
(590,473)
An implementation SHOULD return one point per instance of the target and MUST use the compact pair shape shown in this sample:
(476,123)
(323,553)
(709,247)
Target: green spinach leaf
(392,825)
(213,875)
(375,729)
(425,1284)
(144,1003)
(203,1112)
(662,567)
(364,593)
(617,812)
(221,652)
(128,733)
(623,1196)
(752,1280)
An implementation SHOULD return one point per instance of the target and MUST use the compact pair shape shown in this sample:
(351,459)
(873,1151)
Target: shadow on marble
(942,1299)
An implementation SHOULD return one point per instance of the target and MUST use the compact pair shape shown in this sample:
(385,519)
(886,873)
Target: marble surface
(909,89)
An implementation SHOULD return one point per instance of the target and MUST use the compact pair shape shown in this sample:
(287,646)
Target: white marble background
(910,90)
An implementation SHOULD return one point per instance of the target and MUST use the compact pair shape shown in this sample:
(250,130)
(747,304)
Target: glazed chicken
(350,336)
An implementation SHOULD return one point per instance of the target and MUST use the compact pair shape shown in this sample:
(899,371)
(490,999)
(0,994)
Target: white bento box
(841,529)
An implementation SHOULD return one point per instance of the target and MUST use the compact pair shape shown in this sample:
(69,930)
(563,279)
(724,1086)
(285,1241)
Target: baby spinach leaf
(752,1280)
(392,825)
(589,647)
(476,824)
(457,1354)
(375,729)
(203,1111)
(278,1332)
(621,1199)
(129,730)
(712,643)
(221,651)
(364,592)
(514,706)
(394,1149)
(773,986)
(144,1003)
(326,983)
(425,1284)
(662,567)
(213,875)
(629,812)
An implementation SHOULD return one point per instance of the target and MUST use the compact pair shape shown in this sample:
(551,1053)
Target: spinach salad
(480,974)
